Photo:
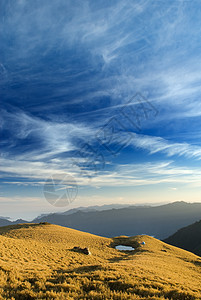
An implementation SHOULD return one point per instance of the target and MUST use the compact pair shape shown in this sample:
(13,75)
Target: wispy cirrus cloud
(121,41)
(67,67)
(147,174)
(144,174)
(158,144)
(34,138)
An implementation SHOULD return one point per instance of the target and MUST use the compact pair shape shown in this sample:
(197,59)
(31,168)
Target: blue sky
(107,92)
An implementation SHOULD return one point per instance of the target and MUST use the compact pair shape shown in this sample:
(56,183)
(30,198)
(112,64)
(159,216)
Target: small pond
(123,248)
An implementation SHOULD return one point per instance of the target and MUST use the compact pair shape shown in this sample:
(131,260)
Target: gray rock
(82,250)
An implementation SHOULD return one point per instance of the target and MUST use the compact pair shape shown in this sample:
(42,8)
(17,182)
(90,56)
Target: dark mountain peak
(188,238)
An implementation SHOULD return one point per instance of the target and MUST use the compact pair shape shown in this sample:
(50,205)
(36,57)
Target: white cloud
(122,175)
(148,174)
(47,138)
(155,144)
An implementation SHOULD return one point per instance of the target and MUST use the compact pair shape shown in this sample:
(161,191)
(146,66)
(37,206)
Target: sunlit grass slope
(37,262)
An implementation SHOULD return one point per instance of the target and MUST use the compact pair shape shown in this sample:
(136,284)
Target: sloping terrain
(188,238)
(37,262)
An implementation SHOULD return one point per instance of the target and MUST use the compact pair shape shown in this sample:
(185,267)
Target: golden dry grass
(37,262)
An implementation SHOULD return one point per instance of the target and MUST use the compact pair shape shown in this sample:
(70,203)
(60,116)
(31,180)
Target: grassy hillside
(37,262)
(188,238)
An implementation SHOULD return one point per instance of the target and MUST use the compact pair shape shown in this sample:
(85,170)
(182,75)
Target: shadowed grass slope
(37,262)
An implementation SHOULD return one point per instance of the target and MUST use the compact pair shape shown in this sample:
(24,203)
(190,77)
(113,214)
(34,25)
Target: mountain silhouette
(158,221)
(188,238)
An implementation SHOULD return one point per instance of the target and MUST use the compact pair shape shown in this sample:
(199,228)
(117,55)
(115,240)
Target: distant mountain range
(6,222)
(188,238)
(158,221)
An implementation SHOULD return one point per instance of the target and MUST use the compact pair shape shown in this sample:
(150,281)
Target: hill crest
(38,261)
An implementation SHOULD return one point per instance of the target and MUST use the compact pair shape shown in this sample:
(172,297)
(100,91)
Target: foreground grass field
(37,262)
